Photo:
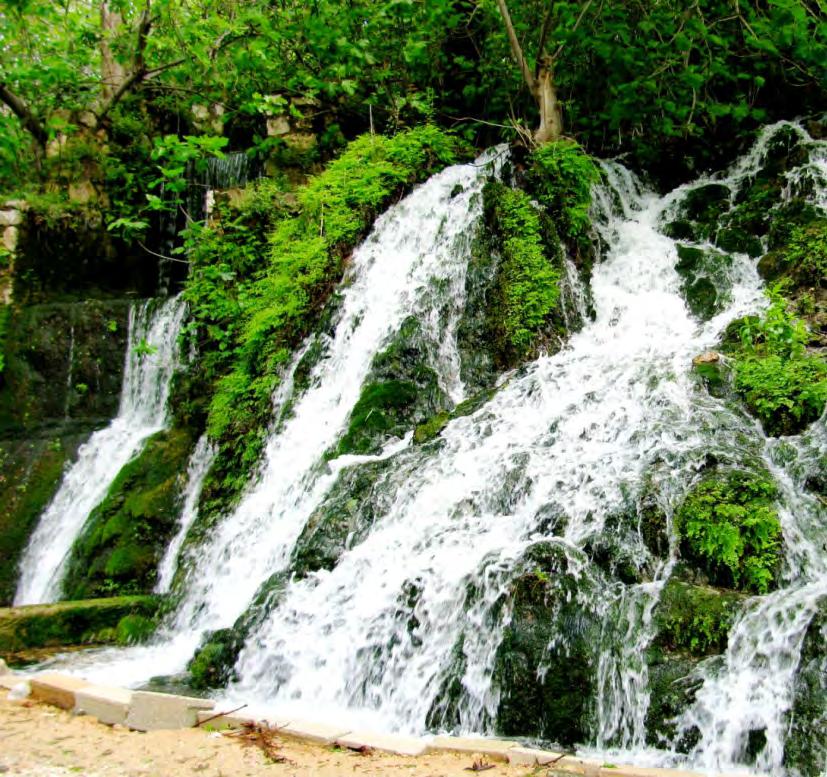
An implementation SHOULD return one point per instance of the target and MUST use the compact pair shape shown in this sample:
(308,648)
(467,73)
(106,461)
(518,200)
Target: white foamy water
(197,469)
(151,358)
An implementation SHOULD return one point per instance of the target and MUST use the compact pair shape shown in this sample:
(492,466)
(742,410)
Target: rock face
(806,745)
(61,380)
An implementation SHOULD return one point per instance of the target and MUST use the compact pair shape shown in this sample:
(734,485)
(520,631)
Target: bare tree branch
(516,49)
(21,109)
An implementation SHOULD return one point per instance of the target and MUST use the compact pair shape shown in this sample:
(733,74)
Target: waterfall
(150,360)
(421,597)
(197,469)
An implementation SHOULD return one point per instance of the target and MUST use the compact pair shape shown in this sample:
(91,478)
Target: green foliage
(729,525)
(527,280)
(805,253)
(132,629)
(783,385)
(696,619)
(561,176)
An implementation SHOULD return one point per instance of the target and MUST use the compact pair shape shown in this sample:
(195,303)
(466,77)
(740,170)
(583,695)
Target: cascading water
(151,358)
(422,596)
(197,469)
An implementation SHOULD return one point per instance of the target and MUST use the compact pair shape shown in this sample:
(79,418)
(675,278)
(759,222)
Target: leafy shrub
(728,524)
(783,386)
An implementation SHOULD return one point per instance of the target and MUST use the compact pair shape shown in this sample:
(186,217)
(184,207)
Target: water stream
(151,357)
(580,434)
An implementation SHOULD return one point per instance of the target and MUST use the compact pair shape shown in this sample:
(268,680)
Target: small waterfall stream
(151,358)
(575,434)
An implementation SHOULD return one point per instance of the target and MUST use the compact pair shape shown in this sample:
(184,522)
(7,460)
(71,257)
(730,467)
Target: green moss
(729,526)
(704,278)
(70,623)
(781,383)
(132,629)
(5,313)
(126,535)
(30,472)
(695,619)
(526,287)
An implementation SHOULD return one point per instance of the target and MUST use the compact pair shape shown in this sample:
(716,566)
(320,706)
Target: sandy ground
(42,741)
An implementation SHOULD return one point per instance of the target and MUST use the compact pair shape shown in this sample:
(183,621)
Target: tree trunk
(113,73)
(551,114)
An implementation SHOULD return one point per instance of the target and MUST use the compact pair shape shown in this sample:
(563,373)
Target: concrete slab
(384,743)
(56,689)
(108,704)
(320,733)
(151,711)
(527,756)
(495,749)
(8,681)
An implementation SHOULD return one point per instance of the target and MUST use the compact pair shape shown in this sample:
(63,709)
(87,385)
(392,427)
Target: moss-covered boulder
(343,518)
(75,623)
(401,391)
(704,279)
(127,534)
(729,528)
(805,748)
(545,664)
(695,619)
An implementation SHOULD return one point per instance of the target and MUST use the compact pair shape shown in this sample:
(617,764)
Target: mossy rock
(673,686)
(729,528)
(401,391)
(705,281)
(212,665)
(695,619)
(88,621)
(343,518)
(805,748)
(549,630)
(63,367)
(127,534)
(133,629)
(433,427)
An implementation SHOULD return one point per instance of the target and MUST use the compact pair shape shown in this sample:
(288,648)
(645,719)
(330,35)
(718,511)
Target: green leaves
(729,524)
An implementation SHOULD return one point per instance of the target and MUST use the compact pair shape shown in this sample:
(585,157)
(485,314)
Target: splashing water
(197,469)
(151,358)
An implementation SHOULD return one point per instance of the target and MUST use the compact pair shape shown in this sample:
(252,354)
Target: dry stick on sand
(219,715)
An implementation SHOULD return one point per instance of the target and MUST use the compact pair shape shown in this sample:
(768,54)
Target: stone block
(10,235)
(277,126)
(8,681)
(4,667)
(495,749)
(82,192)
(527,756)
(108,704)
(10,218)
(57,689)
(384,743)
(151,711)
(320,733)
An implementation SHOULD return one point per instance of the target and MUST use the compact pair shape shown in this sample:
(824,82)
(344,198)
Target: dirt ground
(41,741)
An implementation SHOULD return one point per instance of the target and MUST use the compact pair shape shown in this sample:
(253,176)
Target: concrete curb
(148,711)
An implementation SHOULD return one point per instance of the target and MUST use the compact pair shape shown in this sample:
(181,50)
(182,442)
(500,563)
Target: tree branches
(23,111)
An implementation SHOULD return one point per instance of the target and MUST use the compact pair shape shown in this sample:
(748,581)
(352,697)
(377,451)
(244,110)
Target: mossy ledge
(120,619)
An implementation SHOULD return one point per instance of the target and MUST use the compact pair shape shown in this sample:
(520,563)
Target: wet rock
(805,748)
(545,665)
(706,284)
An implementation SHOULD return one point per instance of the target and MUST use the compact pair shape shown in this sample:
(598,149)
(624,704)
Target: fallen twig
(219,715)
